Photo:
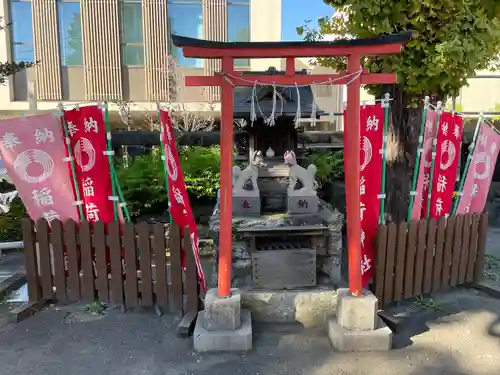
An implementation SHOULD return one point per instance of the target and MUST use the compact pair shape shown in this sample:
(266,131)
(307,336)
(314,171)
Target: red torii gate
(228,78)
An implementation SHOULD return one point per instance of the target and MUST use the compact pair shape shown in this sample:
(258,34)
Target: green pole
(110,160)
(467,164)
(115,183)
(419,155)
(72,163)
(386,104)
(439,110)
(163,157)
(121,196)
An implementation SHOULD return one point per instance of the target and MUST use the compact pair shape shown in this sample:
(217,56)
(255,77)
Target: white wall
(265,26)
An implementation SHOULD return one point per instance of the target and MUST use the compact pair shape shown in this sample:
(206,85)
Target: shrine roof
(372,46)
(264,94)
(400,38)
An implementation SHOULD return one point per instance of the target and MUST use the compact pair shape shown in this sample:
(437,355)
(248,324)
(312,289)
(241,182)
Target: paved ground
(456,333)
(71,341)
(11,263)
(492,259)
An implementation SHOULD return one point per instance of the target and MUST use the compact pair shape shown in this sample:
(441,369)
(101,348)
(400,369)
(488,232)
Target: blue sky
(295,12)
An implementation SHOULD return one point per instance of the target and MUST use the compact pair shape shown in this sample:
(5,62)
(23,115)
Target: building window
(238,20)
(70,32)
(22,31)
(131,29)
(185,19)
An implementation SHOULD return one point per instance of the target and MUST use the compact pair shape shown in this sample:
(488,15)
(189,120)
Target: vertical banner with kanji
(480,171)
(179,205)
(87,139)
(448,138)
(33,153)
(424,170)
(371,138)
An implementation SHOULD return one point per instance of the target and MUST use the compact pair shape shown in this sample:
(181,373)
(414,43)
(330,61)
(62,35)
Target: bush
(11,222)
(143,182)
(330,165)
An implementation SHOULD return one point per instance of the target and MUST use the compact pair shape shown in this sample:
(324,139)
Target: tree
(452,39)
(9,67)
(74,41)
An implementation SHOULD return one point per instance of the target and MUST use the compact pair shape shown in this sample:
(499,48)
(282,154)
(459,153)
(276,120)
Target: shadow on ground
(69,340)
(415,317)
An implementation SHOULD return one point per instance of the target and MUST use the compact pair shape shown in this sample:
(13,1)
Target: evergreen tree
(452,40)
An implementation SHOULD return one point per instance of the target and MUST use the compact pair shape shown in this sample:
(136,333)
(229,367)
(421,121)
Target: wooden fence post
(481,248)
(191,287)
(34,289)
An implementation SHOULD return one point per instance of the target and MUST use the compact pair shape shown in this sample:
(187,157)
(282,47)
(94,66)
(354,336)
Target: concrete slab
(221,313)
(223,340)
(357,313)
(311,307)
(344,340)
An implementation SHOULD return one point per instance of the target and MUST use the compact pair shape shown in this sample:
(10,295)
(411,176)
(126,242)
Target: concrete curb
(489,289)
(24,310)
(12,283)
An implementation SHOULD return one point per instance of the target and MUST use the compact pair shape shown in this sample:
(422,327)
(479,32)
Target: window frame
(242,3)
(123,43)
(14,43)
(184,2)
(63,60)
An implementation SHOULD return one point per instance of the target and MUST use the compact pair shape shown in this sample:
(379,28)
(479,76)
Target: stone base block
(246,206)
(221,313)
(224,340)
(311,307)
(344,340)
(357,313)
(302,205)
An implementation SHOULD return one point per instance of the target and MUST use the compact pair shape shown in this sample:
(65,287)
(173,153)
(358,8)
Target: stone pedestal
(357,327)
(223,326)
(302,205)
(246,206)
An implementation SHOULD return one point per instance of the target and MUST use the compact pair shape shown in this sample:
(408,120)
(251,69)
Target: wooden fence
(428,255)
(128,265)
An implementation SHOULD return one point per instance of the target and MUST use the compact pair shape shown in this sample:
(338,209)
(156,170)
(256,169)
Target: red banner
(371,137)
(179,206)
(480,172)
(33,153)
(424,170)
(449,138)
(87,139)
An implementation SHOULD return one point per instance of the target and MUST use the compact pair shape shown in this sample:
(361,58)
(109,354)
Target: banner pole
(110,159)
(439,110)
(164,158)
(386,104)
(71,163)
(418,157)
(472,146)
(123,203)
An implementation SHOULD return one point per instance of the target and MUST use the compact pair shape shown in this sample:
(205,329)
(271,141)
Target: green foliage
(201,167)
(11,222)
(496,109)
(8,68)
(452,39)
(143,181)
(330,165)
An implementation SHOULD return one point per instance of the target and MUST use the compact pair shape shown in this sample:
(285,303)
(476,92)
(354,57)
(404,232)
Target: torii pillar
(228,78)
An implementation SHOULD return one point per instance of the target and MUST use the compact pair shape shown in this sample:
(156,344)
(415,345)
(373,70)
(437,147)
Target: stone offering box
(284,251)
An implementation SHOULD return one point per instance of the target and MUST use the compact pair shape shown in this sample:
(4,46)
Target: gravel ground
(492,258)
(456,334)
